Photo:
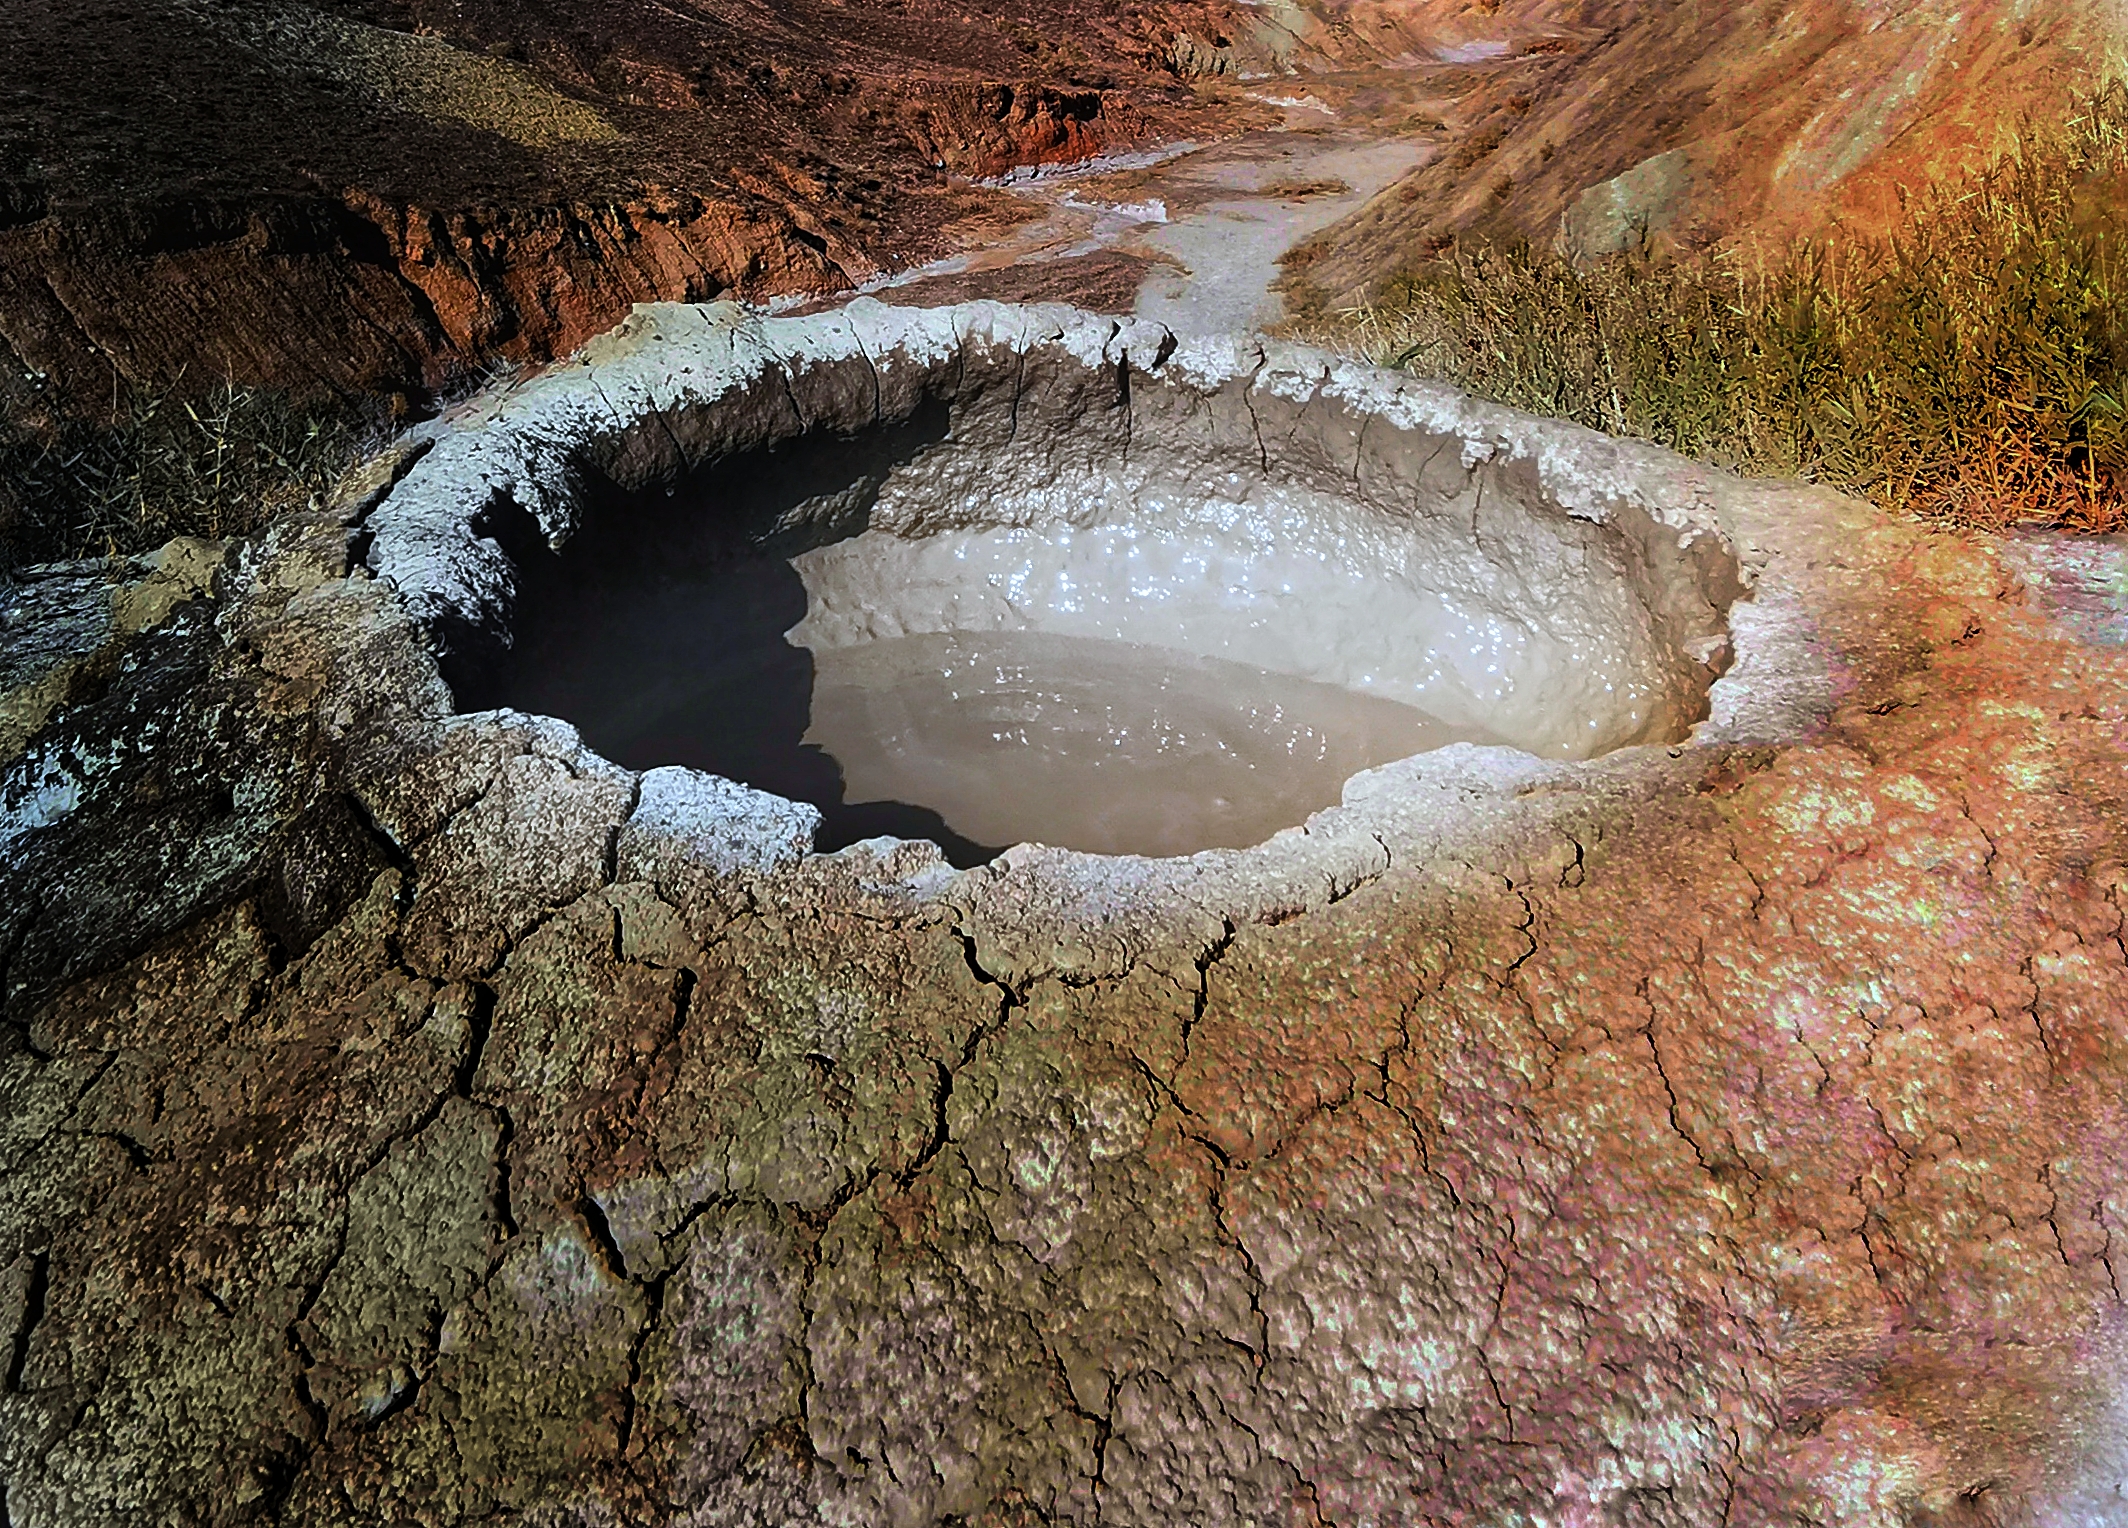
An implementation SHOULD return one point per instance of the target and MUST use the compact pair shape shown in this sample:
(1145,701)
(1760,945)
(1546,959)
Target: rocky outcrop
(990,129)
(68,625)
(369,296)
(412,1117)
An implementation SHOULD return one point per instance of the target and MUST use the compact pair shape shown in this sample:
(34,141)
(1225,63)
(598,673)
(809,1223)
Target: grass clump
(1968,366)
(217,466)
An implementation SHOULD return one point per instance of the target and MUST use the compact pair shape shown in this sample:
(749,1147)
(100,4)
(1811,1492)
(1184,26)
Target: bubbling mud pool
(981,740)
(1110,747)
(987,591)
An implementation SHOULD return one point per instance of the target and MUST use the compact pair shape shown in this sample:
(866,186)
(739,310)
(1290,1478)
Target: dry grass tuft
(219,466)
(1968,367)
(430,76)
(1294,190)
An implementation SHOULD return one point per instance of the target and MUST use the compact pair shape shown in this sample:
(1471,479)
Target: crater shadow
(657,630)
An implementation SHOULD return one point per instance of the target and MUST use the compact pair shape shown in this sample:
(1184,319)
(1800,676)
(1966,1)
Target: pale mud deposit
(1207,228)
(414,1114)
(1113,747)
(1243,207)
(1100,589)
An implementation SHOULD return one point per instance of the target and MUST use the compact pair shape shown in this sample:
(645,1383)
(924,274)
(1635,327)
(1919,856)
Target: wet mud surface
(411,1116)
(1108,747)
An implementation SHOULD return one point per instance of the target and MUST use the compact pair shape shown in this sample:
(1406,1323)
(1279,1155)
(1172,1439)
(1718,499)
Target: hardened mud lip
(676,387)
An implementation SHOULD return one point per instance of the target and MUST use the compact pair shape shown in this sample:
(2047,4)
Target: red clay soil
(384,195)
(1106,281)
(1722,119)
(377,194)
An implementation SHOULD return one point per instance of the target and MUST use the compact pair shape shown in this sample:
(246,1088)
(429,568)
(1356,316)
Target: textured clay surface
(411,1118)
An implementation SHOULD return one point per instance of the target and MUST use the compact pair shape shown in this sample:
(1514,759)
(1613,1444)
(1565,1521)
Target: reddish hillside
(1592,120)
(375,193)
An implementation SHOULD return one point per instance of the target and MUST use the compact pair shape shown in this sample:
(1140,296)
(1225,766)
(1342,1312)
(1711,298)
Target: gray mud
(1108,747)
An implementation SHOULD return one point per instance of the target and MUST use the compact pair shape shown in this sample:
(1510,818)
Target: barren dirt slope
(375,195)
(1696,121)
(369,194)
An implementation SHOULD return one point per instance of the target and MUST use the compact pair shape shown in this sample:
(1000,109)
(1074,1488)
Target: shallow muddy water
(976,740)
(1110,747)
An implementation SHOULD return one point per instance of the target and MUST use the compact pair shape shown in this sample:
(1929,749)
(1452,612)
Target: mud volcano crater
(991,575)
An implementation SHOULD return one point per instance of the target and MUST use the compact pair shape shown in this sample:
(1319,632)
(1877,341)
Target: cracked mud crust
(413,1118)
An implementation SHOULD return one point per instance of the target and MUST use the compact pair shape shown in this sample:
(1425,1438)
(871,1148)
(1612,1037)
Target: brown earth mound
(413,1118)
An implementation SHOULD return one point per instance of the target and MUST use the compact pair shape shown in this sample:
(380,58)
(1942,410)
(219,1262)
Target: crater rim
(679,387)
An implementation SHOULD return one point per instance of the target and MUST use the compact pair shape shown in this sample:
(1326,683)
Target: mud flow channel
(1076,604)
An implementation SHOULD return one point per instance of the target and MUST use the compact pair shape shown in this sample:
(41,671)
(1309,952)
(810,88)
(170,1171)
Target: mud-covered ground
(401,1125)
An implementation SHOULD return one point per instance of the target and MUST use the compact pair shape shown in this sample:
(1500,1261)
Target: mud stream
(1212,223)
